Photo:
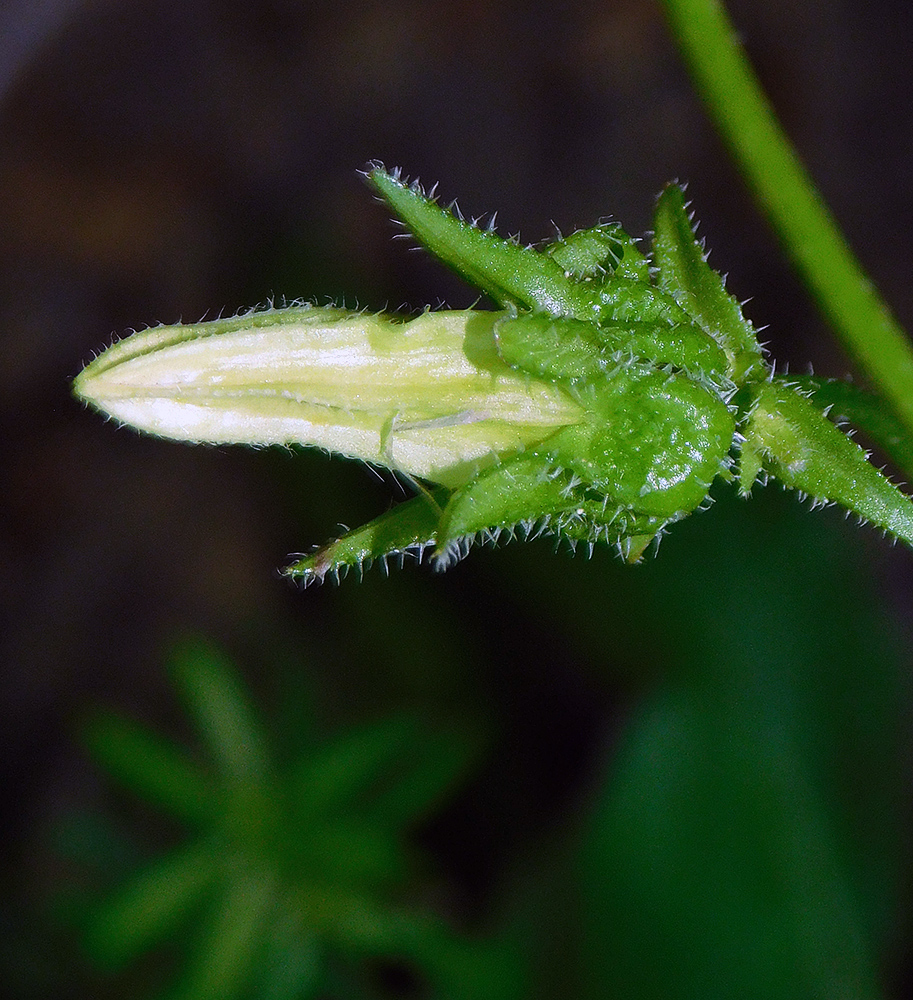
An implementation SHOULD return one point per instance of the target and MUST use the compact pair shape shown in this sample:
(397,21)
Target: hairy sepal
(522,497)
(805,451)
(407,530)
(565,349)
(683,273)
(597,254)
(843,402)
(596,276)
(510,273)
(653,442)
(519,491)
(528,496)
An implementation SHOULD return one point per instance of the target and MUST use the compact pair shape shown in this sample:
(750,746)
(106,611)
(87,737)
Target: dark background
(161,162)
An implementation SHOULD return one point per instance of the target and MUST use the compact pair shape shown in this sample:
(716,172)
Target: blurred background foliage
(685,779)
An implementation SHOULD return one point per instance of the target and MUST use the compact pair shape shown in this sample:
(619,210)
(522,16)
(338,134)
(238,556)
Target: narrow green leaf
(427,780)
(224,715)
(334,776)
(292,963)
(152,906)
(224,955)
(151,766)
(362,924)
(352,854)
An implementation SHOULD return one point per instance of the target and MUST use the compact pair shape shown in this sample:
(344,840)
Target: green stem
(748,125)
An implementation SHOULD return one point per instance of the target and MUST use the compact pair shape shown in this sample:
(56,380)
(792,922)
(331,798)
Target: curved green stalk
(742,114)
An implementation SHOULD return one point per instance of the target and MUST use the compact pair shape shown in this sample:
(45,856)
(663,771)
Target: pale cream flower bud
(428,395)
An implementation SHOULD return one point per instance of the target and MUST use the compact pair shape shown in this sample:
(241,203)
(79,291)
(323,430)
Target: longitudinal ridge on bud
(427,395)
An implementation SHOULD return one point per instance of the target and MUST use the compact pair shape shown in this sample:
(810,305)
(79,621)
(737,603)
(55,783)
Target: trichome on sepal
(599,403)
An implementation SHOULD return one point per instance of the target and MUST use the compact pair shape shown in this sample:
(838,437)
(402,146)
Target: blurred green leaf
(152,906)
(746,841)
(222,960)
(350,765)
(150,766)
(311,857)
(223,713)
(352,853)
(426,779)
(292,966)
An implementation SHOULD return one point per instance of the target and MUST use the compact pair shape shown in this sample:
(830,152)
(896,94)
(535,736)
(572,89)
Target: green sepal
(682,271)
(522,491)
(589,254)
(633,264)
(560,348)
(595,521)
(532,497)
(597,254)
(405,530)
(683,346)
(654,441)
(806,452)
(633,547)
(510,273)
(626,300)
(520,276)
(552,347)
(751,466)
(842,401)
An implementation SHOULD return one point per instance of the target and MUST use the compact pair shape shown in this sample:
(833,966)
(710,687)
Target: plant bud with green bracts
(599,404)
(427,395)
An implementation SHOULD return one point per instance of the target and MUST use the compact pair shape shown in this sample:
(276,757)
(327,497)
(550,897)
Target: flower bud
(428,396)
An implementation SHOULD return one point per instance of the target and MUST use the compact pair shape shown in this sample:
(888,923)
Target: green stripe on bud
(428,396)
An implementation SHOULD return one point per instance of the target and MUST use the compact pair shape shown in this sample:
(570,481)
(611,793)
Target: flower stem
(781,184)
